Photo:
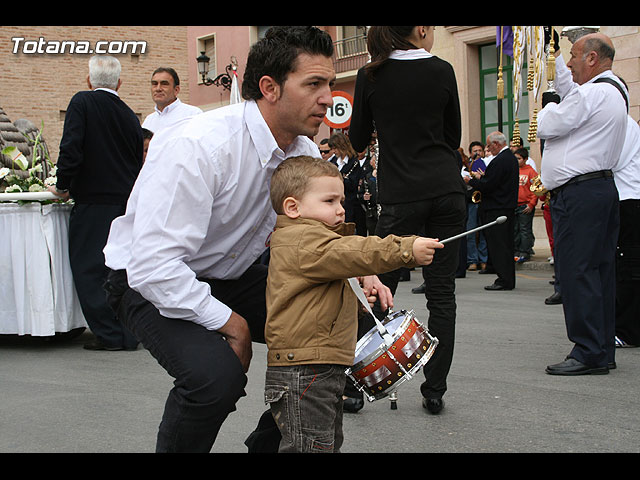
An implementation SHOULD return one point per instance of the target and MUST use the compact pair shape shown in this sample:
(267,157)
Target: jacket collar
(341,229)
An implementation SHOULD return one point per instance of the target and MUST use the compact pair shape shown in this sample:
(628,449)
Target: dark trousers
(523,232)
(585,232)
(89,226)
(500,244)
(209,378)
(440,218)
(628,273)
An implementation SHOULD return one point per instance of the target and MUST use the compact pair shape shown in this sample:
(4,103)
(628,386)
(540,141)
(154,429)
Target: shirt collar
(107,90)
(609,74)
(264,141)
(344,228)
(169,107)
(413,54)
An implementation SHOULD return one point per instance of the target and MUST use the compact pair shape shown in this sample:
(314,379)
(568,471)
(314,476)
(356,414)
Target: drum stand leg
(393,397)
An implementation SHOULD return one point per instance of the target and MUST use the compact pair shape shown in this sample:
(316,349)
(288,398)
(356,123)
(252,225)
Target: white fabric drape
(235,89)
(37,295)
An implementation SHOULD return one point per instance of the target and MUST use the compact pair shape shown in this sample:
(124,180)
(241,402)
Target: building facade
(41,67)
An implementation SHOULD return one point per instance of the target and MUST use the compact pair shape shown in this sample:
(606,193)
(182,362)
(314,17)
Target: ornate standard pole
(574,33)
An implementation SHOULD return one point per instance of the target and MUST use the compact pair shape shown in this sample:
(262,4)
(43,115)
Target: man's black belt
(582,178)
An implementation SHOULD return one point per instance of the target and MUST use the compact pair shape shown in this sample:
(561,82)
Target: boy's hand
(375,289)
(424,249)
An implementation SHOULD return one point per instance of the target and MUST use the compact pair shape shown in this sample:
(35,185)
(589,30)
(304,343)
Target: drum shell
(387,367)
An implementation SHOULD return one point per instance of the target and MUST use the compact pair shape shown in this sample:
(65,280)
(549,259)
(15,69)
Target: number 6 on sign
(339,114)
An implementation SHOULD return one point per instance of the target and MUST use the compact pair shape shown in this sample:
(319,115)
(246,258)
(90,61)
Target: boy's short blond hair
(291,178)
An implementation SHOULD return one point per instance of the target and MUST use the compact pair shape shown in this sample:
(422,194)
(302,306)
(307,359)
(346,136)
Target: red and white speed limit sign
(339,115)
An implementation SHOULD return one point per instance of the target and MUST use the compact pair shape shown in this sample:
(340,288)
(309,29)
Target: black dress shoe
(352,405)
(486,271)
(433,405)
(419,289)
(555,299)
(497,286)
(571,366)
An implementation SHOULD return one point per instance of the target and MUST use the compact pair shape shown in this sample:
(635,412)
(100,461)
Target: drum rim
(408,314)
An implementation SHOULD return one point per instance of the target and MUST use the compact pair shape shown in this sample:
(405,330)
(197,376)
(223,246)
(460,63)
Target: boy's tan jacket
(311,309)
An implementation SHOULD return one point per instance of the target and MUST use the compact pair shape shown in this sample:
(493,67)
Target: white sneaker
(622,344)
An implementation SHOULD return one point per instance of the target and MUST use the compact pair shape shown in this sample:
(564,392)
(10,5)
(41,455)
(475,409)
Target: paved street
(58,397)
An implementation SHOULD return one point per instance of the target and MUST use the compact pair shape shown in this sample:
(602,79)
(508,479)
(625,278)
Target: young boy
(527,200)
(311,308)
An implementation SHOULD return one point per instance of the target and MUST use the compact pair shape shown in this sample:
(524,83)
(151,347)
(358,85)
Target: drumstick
(464,234)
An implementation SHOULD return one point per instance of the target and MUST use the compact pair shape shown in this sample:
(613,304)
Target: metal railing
(350,53)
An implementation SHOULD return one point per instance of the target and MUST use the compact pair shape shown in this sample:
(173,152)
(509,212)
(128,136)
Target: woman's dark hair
(342,144)
(382,40)
(276,55)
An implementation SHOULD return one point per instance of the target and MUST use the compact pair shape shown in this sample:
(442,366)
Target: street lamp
(223,80)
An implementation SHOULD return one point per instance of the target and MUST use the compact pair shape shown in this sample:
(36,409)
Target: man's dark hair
(523,152)
(147,134)
(474,143)
(276,55)
(170,71)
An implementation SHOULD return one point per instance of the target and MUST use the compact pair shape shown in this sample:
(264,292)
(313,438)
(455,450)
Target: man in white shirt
(584,135)
(197,222)
(169,110)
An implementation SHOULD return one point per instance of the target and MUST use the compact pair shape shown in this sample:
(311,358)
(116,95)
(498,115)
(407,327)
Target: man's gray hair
(497,137)
(104,71)
(604,51)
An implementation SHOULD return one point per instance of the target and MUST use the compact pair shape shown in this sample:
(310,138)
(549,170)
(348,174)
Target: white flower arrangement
(33,182)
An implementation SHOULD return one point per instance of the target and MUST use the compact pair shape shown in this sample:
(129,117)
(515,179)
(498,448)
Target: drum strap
(384,333)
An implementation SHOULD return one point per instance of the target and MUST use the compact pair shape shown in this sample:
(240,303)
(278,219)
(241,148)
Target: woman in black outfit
(346,159)
(410,98)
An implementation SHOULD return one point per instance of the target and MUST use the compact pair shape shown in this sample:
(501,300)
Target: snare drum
(378,368)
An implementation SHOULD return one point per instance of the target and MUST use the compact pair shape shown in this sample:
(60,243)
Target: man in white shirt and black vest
(584,135)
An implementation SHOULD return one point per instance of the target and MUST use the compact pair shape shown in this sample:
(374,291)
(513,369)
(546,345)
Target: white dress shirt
(200,209)
(341,162)
(108,90)
(169,115)
(626,173)
(583,133)
(413,54)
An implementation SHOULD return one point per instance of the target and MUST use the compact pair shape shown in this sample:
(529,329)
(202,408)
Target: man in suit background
(100,157)
(499,188)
